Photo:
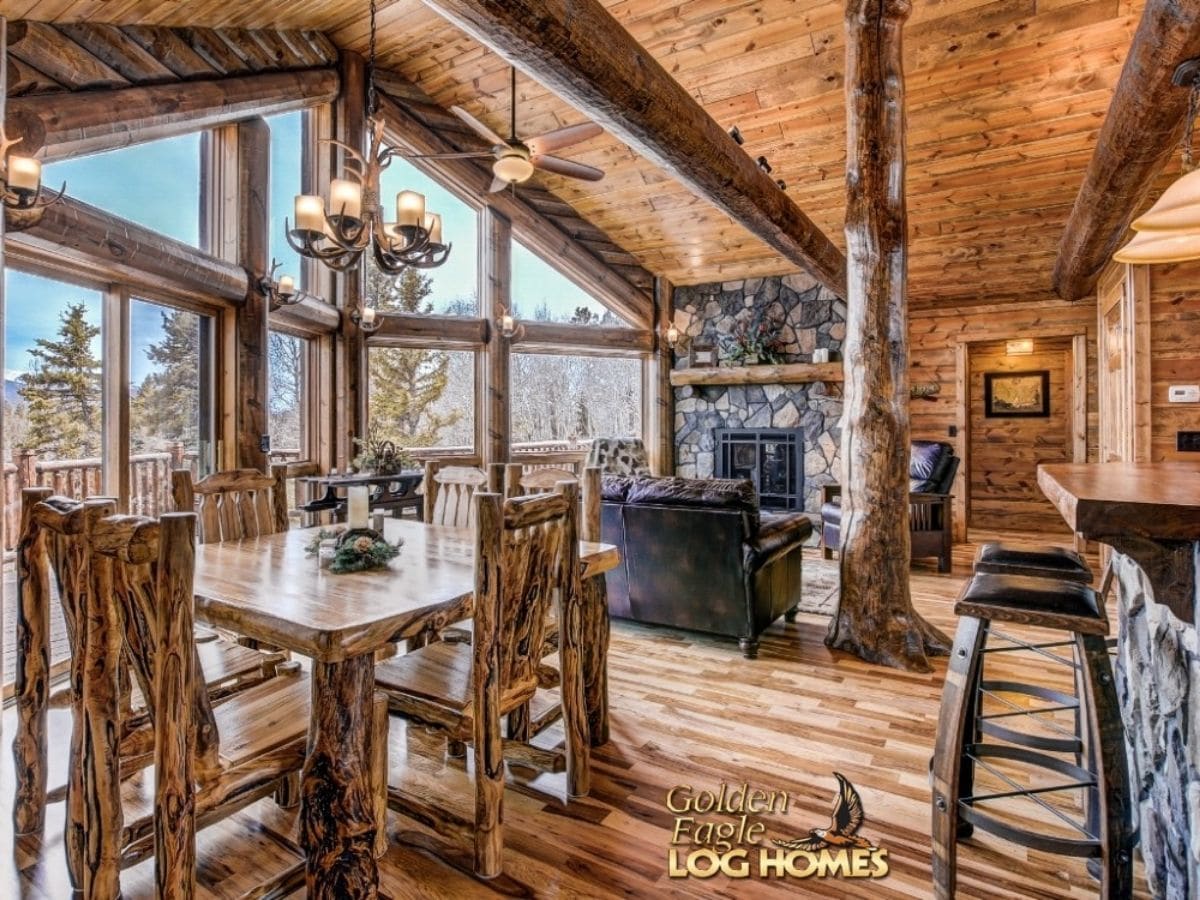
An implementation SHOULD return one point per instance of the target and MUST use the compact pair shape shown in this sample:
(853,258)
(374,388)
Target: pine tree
(405,384)
(164,407)
(62,390)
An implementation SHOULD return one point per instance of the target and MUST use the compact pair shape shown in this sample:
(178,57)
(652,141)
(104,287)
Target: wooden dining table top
(269,589)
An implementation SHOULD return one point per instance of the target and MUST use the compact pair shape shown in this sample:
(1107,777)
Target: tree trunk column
(875,618)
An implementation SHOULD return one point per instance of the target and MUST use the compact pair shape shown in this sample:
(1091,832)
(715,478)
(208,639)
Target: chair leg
(520,723)
(1115,819)
(954,718)
(379,771)
(749,647)
(489,792)
(287,793)
(791,614)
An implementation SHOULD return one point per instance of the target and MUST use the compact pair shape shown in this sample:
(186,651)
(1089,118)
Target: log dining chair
(527,551)
(49,564)
(209,760)
(449,486)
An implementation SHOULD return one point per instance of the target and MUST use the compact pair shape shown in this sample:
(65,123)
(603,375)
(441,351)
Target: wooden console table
(393,492)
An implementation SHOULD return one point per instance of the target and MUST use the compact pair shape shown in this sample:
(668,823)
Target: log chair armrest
(777,536)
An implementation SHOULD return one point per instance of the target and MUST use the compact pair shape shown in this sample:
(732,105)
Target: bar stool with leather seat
(995,558)
(964,729)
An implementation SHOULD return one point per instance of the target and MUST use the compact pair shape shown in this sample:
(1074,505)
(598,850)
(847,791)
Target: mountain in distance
(11,391)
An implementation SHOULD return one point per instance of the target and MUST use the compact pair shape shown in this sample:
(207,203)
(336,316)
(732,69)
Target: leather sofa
(931,472)
(697,554)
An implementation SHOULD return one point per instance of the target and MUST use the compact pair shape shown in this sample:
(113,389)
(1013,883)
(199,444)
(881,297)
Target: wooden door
(1123,364)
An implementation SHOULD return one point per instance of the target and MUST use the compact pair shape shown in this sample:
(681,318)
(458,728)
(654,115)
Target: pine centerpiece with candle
(355,549)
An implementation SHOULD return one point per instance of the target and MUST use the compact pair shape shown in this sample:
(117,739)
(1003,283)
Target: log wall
(1174,355)
(1005,452)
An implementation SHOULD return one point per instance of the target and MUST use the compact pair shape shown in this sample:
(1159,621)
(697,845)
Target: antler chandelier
(337,234)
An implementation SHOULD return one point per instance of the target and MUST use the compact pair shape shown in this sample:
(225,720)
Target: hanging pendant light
(1169,232)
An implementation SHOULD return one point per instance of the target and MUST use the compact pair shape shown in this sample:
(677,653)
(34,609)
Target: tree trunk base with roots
(901,642)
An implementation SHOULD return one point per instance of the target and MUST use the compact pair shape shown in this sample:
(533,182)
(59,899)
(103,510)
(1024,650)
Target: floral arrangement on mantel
(755,340)
(353,550)
(379,456)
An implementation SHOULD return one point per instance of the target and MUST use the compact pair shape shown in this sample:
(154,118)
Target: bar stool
(1045,562)
(962,728)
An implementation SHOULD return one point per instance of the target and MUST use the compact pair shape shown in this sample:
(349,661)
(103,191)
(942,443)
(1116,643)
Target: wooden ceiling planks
(1005,99)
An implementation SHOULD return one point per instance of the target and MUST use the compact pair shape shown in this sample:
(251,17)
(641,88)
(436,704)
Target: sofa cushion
(615,488)
(831,512)
(927,468)
(735,494)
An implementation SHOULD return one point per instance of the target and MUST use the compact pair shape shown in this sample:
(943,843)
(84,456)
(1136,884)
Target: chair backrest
(544,480)
(526,556)
(147,567)
(239,503)
(619,456)
(448,492)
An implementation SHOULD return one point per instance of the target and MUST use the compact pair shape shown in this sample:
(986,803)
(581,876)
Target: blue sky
(158,185)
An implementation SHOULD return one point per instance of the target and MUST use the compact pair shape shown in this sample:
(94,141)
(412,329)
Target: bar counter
(1149,514)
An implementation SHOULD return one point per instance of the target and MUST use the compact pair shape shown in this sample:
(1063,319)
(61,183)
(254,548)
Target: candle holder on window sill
(508,327)
(279,292)
(366,318)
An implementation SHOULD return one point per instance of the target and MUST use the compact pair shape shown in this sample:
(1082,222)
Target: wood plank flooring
(686,709)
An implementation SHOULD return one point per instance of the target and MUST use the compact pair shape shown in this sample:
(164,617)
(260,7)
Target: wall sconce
(1022,347)
(281,292)
(366,318)
(21,187)
(509,328)
(672,336)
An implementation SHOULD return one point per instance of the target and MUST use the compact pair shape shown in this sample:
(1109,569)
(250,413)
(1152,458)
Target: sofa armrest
(776,536)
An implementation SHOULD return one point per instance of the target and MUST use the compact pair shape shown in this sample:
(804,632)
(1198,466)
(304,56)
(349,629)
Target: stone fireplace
(813,318)
(773,458)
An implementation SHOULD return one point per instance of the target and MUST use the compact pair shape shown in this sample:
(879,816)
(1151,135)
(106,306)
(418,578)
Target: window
(52,386)
(422,398)
(542,293)
(557,398)
(156,184)
(287,368)
(451,289)
(287,137)
(170,399)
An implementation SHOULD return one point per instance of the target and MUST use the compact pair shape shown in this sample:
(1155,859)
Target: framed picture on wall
(1009,395)
(702,355)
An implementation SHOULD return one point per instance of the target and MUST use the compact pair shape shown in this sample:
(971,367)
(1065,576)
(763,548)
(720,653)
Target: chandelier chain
(372,98)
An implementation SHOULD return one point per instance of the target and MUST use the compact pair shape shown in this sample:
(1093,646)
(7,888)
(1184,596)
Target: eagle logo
(843,826)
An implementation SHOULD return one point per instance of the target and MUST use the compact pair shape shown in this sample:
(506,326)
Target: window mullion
(115,379)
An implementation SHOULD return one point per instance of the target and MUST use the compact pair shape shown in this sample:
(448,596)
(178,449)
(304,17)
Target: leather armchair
(697,554)
(931,472)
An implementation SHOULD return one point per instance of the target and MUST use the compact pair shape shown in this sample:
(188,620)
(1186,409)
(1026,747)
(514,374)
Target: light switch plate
(1184,393)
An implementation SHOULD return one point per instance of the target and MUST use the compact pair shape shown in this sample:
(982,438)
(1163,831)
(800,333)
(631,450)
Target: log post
(875,618)
(254,224)
(664,392)
(596,624)
(497,283)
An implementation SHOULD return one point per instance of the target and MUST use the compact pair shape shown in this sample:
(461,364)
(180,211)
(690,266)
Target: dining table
(271,589)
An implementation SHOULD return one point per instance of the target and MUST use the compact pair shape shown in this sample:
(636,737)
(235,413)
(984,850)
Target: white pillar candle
(433,224)
(310,213)
(345,198)
(410,208)
(507,325)
(358,501)
(367,315)
(24,173)
(287,286)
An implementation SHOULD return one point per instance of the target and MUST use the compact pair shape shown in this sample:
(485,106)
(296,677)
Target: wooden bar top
(1155,501)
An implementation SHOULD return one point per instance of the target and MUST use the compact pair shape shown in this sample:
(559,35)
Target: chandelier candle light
(338,234)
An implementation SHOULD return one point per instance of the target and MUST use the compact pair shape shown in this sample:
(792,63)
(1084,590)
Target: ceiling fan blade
(475,154)
(563,137)
(498,184)
(478,127)
(560,166)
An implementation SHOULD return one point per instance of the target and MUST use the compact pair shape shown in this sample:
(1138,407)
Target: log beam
(1139,134)
(579,51)
(569,256)
(875,618)
(583,339)
(119,250)
(61,125)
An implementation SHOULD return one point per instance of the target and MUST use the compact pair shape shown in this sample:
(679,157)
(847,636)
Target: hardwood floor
(689,710)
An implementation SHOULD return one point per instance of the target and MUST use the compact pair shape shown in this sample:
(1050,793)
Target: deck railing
(532,454)
(149,480)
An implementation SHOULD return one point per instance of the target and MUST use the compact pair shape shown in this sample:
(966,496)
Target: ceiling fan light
(1178,207)
(1156,247)
(513,168)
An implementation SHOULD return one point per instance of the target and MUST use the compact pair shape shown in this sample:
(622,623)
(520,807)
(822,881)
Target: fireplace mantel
(792,373)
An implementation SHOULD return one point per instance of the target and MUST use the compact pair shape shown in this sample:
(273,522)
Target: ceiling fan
(515,160)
